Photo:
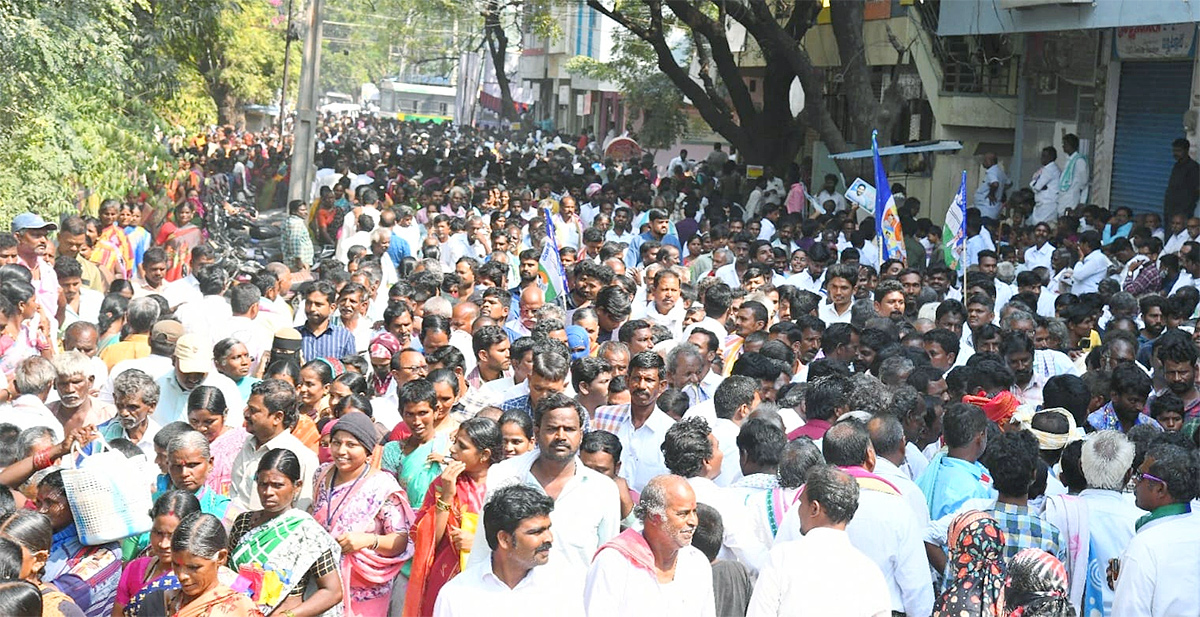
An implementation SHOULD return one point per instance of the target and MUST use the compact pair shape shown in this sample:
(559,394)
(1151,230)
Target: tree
(497,45)
(765,133)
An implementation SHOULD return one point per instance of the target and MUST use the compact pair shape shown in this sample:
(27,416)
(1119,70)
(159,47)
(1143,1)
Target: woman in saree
(280,550)
(112,251)
(367,512)
(445,527)
(33,532)
(139,238)
(975,570)
(207,413)
(198,552)
(417,460)
(179,238)
(153,572)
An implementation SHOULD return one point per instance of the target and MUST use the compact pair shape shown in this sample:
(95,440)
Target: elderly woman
(368,514)
(198,551)
(189,461)
(1037,586)
(233,360)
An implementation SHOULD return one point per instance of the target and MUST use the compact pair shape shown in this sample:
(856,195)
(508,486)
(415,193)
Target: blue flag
(887,219)
(954,232)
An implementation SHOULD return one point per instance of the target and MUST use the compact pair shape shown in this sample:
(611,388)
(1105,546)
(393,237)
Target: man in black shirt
(1183,188)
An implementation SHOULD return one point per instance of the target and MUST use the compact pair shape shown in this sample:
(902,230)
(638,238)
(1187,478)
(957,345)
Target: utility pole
(287,56)
(304,130)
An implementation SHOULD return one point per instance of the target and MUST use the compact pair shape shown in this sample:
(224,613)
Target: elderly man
(76,407)
(518,532)
(33,379)
(135,394)
(1159,572)
(822,573)
(1101,513)
(586,504)
(194,368)
(654,571)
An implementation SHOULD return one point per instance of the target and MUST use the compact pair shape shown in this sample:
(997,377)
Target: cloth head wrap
(1056,441)
(999,409)
(384,346)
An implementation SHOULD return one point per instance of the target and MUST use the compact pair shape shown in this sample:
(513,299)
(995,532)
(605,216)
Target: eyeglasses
(1139,476)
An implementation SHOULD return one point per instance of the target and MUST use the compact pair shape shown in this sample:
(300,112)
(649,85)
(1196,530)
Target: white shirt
(989,207)
(672,321)
(1038,257)
(243,489)
(1077,190)
(728,275)
(183,290)
(820,574)
(544,592)
(1177,241)
(887,532)
(172,398)
(726,433)
(28,411)
(835,197)
(89,307)
(908,488)
(979,242)
(915,461)
(740,540)
(641,449)
(1045,194)
(805,282)
(1160,570)
(1184,280)
(153,365)
(205,315)
(1088,272)
(251,333)
(712,325)
(616,587)
(586,514)
(828,313)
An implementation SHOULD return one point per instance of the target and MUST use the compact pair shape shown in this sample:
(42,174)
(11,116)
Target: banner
(550,268)
(887,219)
(954,232)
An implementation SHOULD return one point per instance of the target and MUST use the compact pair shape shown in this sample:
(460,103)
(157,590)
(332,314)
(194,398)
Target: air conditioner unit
(1030,4)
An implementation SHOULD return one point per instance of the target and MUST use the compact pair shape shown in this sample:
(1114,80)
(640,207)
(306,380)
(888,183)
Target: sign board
(862,194)
(1155,42)
(754,171)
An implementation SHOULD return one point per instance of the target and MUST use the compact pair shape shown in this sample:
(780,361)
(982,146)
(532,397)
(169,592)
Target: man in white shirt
(882,527)
(840,281)
(1092,266)
(1038,255)
(1045,188)
(194,368)
(979,239)
(1073,184)
(641,425)
(520,537)
(271,411)
(207,314)
(735,398)
(890,444)
(822,573)
(587,507)
(679,163)
(655,571)
(992,185)
(829,192)
(1159,572)
(1182,230)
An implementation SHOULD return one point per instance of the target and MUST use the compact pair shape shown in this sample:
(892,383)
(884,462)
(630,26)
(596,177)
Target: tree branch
(727,67)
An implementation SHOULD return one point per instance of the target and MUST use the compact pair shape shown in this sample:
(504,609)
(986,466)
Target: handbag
(108,496)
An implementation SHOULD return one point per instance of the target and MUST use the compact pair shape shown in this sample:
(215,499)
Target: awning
(913,148)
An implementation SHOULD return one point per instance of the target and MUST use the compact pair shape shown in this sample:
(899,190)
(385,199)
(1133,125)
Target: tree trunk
(229,111)
(497,43)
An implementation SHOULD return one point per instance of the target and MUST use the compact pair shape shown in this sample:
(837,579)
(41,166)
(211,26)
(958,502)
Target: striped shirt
(334,342)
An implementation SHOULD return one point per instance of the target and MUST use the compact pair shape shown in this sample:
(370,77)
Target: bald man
(677,580)
(532,298)
(462,325)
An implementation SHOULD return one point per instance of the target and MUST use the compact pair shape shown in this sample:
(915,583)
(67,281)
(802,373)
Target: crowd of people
(735,408)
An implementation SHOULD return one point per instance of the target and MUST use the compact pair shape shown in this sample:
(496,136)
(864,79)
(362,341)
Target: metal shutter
(1150,106)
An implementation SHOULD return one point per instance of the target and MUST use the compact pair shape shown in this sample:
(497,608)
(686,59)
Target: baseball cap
(166,332)
(30,220)
(194,354)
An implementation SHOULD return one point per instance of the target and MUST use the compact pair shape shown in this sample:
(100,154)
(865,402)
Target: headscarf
(975,585)
(1055,441)
(999,408)
(1037,585)
(577,339)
